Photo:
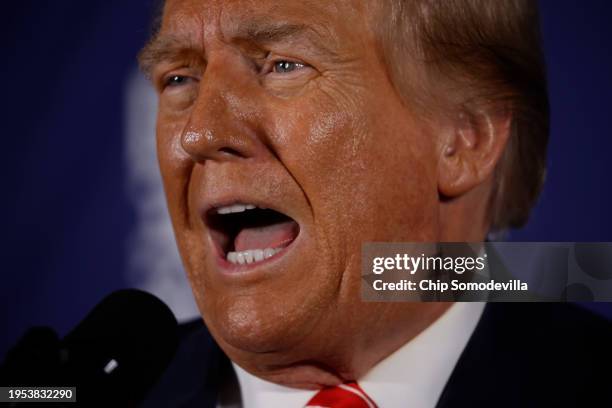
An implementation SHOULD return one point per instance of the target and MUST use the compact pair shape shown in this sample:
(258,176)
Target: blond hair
(484,52)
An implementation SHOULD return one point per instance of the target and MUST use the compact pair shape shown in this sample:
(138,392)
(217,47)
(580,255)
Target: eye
(283,67)
(176,80)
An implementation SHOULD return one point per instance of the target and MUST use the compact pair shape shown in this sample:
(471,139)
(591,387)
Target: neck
(345,360)
(464,218)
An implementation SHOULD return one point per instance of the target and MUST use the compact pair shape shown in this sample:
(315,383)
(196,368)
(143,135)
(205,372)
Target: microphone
(114,356)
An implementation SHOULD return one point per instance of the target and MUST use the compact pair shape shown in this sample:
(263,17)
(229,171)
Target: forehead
(205,18)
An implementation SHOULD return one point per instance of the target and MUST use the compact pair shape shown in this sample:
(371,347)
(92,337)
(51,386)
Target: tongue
(270,236)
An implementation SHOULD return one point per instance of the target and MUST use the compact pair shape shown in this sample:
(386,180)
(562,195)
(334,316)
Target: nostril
(206,145)
(231,152)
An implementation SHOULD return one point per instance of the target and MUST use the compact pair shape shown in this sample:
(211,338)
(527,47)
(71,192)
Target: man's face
(287,106)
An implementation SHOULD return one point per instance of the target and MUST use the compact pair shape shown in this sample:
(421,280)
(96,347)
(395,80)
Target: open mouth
(247,234)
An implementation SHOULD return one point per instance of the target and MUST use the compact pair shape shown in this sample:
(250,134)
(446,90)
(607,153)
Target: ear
(471,149)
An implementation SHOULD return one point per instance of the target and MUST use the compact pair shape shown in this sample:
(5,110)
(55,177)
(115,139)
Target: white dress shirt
(413,376)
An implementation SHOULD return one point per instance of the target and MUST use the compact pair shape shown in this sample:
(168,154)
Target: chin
(260,323)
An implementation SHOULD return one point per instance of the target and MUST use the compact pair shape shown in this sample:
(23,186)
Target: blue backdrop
(65,211)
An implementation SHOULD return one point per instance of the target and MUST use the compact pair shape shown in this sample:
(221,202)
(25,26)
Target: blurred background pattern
(83,211)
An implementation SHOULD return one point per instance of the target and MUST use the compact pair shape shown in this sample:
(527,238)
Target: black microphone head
(121,347)
(34,359)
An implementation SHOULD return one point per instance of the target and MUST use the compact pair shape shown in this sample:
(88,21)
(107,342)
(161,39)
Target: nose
(223,120)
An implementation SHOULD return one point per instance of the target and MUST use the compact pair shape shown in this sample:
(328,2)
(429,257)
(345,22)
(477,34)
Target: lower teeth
(251,255)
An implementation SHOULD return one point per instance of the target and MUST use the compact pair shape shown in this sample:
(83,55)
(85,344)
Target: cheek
(174,163)
(368,170)
(176,167)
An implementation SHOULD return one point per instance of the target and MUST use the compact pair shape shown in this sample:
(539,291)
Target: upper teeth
(234,208)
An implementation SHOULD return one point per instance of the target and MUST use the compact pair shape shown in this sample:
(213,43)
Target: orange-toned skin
(330,144)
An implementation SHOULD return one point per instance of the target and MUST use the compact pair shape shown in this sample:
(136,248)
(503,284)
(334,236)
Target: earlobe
(469,154)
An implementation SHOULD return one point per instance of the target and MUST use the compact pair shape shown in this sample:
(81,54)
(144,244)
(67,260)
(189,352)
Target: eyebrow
(160,48)
(165,47)
(264,32)
(270,32)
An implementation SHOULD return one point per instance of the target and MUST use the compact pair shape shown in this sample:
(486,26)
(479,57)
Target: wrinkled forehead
(199,19)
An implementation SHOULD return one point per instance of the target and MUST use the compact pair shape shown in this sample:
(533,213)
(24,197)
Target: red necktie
(347,395)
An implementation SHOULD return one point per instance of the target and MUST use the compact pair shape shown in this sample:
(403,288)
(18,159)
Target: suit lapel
(194,376)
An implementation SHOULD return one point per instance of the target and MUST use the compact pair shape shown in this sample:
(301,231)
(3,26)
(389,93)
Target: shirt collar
(416,373)
(257,393)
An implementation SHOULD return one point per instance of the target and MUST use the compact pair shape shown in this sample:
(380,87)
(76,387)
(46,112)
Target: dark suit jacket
(520,355)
